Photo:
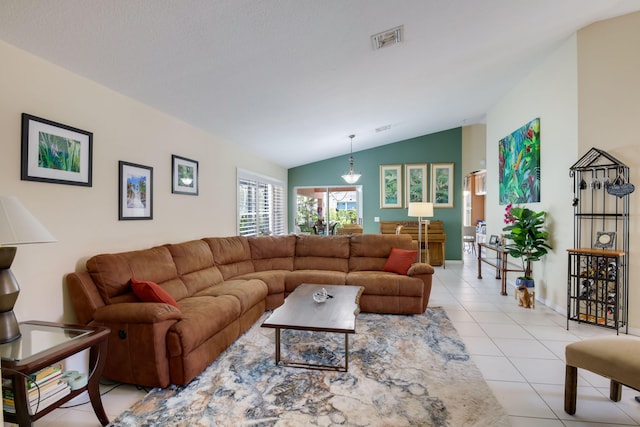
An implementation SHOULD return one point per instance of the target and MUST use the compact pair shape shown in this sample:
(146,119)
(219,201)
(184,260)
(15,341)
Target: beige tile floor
(519,351)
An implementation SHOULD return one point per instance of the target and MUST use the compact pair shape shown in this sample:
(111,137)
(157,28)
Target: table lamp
(17,227)
(421,210)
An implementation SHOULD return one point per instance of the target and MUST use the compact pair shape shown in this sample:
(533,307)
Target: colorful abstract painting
(519,165)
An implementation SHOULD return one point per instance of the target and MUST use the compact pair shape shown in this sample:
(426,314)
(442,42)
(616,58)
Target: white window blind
(261,205)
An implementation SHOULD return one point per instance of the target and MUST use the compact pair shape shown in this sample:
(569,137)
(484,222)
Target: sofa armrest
(137,312)
(137,345)
(420,268)
(84,295)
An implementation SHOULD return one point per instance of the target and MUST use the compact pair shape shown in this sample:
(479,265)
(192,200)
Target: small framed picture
(390,186)
(55,153)
(184,176)
(605,240)
(494,240)
(415,176)
(135,191)
(442,185)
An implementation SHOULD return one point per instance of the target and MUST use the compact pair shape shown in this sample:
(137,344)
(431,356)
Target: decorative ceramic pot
(527,283)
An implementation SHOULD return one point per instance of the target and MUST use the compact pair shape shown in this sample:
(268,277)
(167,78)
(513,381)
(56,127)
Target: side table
(500,262)
(43,344)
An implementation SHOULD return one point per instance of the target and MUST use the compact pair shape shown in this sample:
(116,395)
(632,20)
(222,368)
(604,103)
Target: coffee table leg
(346,352)
(277,346)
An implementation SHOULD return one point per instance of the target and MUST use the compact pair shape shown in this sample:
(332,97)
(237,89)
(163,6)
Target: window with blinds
(261,205)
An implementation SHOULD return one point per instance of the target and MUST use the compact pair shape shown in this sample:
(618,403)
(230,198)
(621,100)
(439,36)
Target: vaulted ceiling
(290,79)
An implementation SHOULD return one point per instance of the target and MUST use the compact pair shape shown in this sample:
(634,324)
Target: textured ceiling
(291,79)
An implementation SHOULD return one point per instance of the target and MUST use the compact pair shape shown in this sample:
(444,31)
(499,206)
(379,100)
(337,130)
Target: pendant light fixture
(351,177)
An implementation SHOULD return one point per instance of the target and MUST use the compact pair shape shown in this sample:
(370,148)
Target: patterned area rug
(403,371)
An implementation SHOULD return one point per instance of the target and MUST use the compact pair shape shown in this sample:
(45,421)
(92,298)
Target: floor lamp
(17,227)
(421,210)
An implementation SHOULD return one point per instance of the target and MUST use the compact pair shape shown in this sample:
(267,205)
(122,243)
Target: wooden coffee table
(299,311)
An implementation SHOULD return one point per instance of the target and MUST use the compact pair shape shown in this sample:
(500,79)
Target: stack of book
(44,388)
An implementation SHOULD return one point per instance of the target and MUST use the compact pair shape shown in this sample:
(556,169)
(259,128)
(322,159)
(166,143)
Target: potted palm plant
(528,240)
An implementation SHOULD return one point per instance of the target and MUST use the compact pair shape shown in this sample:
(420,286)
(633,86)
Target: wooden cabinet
(474,195)
(480,183)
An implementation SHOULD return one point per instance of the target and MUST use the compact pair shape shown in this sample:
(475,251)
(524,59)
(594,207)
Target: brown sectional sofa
(222,287)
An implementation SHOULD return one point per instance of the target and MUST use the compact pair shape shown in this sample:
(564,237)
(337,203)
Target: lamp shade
(351,177)
(18,226)
(422,209)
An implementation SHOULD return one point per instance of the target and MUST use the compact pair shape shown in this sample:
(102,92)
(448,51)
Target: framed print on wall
(442,185)
(135,191)
(184,176)
(390,186)
(415,183)
(55,153)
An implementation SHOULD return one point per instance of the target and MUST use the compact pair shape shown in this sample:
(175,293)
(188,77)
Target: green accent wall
(441,147)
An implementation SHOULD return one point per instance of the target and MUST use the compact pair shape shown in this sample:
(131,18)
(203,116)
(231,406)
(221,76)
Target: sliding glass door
(321,210)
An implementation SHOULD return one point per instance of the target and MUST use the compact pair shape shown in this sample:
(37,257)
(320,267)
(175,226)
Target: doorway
(322,210)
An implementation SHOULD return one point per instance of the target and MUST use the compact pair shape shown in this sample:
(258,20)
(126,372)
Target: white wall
(549,92)
(85,219)
(586,95)
(609,105)
(474,146)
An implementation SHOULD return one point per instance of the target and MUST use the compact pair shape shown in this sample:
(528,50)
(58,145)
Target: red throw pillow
(151,292)
(400,260)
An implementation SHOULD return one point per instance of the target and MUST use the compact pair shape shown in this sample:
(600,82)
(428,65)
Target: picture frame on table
(184,176)
(605,240)
(415,176)
(55,153)
(494,240)
(135,191)
(442,185)
(390,186)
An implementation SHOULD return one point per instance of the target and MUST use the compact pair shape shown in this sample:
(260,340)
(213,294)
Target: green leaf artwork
(519,165)
(56,152)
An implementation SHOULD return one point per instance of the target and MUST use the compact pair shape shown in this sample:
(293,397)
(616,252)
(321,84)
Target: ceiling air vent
(388,38)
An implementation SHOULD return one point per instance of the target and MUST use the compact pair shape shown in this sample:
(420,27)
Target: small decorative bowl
(319,297)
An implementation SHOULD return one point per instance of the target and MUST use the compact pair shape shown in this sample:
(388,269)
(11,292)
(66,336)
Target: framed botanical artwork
(135,191)
(56,153)
(442,185)
(415,177)
(184,176)
(390,186)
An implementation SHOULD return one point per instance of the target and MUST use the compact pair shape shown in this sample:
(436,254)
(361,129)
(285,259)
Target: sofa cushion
(383,283)
(400,260)
(274,279)
(248,292)
(194,263)
(325,277)
(202,318)
(150,292)
(272,252)
(322,253)
(112,273)
(232,255)
(369,252)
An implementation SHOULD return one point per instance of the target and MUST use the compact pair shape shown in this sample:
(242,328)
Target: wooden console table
(500,262)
